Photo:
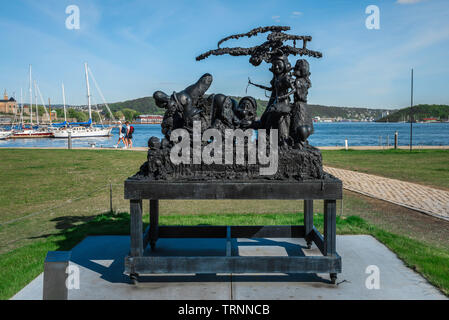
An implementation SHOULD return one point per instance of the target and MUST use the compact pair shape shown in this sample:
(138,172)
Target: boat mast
(31,99)
(63,99)
(35,103)
(49,109)
(21,105)
(88,93)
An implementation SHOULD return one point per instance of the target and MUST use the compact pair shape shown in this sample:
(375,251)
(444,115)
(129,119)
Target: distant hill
(147,105)
(419,113)
(345,112)
(144,105)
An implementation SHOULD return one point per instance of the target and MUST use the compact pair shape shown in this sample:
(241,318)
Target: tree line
(419,113)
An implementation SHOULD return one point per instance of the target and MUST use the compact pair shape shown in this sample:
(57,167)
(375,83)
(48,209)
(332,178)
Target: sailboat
(82,129)
(32,132)
(5,134)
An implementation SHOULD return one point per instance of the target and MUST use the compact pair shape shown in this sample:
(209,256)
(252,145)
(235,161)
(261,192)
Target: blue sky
(135,47)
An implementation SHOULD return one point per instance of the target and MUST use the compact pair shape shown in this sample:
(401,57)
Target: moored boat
(82,132)
(81,129)
(32,133)
(5,134)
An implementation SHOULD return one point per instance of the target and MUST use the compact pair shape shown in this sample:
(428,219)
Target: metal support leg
(308,221)
(154,223)
(330,231)
(136,228)
(228,242)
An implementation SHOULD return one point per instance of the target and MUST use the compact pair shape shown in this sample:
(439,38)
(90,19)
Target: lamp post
(411,114)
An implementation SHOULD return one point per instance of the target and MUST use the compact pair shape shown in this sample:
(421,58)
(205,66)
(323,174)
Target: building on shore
(8,105)
(149,119)
(429,120)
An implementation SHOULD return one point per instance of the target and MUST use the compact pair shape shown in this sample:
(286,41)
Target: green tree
(95,117)
(60,113)
(118,115)
(130,114)
(78,115)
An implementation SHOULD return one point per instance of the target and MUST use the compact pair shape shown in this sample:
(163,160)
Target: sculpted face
(278,67)
(246,110)
(302,68)
(172,106)
(246,107)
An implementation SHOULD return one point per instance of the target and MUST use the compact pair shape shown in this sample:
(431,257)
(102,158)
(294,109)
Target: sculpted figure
(227,113)
(181,106)
(276,115)
(301,126)
(223,116)
(173,117)
(246,112)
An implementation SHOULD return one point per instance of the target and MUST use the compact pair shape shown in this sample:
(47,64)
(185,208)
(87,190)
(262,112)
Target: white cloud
(297,13)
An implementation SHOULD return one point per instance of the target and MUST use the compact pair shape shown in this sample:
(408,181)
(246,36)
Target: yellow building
(8,105)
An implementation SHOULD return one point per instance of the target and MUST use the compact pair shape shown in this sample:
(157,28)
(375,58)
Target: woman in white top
(121,135)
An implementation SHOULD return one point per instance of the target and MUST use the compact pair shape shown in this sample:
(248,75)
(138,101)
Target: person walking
(129,135)
(121,135)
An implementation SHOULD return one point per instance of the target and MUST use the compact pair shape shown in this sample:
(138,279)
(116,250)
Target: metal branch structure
(264,52)
(254,32)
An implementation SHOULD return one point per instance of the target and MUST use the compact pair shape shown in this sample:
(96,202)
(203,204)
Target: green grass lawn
(36,179)
(427,167)
(60,196)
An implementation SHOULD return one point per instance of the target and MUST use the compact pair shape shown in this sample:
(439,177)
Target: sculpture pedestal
(329,190)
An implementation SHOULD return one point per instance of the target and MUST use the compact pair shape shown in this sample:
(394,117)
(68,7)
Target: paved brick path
(431,201)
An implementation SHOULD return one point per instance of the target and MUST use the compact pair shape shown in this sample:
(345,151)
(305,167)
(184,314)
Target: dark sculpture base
(329,189)
(293,164)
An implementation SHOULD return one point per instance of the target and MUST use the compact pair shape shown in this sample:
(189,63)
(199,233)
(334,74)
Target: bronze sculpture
(286,112)
(192,162)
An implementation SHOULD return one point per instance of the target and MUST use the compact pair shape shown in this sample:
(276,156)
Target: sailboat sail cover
(88,123)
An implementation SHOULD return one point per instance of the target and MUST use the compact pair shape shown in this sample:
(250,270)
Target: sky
(135,47)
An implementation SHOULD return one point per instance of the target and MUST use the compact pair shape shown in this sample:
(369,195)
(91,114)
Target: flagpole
(411,114)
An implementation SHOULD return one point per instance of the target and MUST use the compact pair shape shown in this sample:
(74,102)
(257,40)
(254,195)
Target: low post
(346,144)
(55,275)
(110,198)
(396,140)
(69,143)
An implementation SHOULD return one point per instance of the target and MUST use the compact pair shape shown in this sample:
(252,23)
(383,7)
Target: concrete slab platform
(358,253)
(101,263)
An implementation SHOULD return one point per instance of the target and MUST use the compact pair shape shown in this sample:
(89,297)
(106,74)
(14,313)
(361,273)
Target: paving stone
(425,199)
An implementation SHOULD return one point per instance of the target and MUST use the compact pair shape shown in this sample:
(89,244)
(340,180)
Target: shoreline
(321,148)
